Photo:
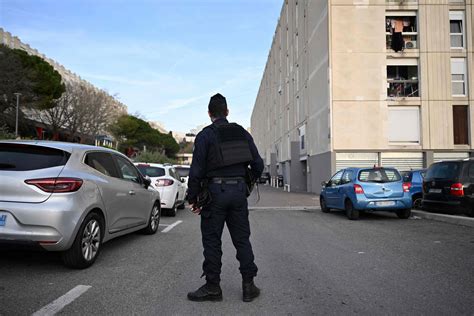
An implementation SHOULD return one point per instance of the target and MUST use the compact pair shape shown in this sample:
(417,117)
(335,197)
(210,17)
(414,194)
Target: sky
(163,58)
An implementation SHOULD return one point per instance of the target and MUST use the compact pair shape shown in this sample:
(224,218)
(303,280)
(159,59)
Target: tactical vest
(232,147)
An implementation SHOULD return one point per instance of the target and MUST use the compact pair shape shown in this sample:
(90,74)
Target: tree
(132,131)
(37,81)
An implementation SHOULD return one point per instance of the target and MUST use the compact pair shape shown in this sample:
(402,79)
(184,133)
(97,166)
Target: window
(460,125)
(16,157)
(456,25)
(402,80)
(471,170)
(443,170)
(379,175)
(302,132)
(150,171)
(102,162)
(404,124)
(401,29)
(127,170)
(458,76)
(347,177)
(336,179)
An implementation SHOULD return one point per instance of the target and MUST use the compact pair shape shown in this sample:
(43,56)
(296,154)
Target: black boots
(249,290)
(213,292)
(207,292)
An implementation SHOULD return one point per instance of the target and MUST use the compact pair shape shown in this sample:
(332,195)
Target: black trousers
(229,206)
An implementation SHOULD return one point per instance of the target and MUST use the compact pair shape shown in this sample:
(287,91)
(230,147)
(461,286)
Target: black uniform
(229,201)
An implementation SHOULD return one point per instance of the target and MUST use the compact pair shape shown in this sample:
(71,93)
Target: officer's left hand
(196,210)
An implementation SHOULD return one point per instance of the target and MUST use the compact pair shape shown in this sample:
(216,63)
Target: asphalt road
(310,263)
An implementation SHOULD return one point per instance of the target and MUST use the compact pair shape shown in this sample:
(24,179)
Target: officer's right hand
(195,209)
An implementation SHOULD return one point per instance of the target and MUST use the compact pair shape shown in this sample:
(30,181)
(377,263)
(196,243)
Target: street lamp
(17,106)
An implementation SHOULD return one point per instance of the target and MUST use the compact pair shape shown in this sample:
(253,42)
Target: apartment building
(363,83)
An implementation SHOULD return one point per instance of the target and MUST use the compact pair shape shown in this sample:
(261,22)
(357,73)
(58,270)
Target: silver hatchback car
(72,198)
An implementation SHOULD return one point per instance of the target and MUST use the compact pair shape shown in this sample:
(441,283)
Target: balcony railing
(401,2)
(402,88)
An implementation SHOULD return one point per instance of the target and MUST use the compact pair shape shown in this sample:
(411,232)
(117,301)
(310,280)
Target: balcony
(402,81)
(403,30)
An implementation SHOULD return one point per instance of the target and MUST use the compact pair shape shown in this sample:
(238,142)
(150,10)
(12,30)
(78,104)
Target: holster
(204,196)
(249,181)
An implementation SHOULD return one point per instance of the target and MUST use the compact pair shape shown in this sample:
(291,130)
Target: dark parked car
(449,187)
(414,181)
(264,178)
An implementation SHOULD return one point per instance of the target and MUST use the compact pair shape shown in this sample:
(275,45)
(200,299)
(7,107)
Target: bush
(5,134)
(153,157)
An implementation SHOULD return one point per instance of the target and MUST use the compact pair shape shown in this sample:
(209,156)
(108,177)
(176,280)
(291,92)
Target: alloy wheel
(155,218)
(91,240)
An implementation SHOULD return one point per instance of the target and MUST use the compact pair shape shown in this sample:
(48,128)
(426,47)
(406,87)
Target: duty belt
(228,180)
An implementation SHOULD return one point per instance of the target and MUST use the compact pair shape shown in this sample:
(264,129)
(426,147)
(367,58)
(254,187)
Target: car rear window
(444,170)
(379,175)
(151,171)
(183,172)
(20,157)
(407,176)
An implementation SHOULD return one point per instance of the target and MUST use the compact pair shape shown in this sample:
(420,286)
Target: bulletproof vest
(232,147)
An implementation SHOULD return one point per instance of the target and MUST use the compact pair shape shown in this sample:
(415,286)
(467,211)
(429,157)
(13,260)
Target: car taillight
(457,189)
(164,182)
(406,186)
(358,189)
(56,185)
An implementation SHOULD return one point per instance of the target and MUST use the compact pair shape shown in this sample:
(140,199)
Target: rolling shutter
(362,160)
(447,156)
(403,161)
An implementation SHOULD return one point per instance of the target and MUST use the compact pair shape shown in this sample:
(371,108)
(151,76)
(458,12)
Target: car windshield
(379,175)
(150,171)
(443,170)
(183,172)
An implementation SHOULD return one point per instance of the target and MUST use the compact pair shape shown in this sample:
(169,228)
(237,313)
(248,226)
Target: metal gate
(358,160)
(403,161)
(447,156)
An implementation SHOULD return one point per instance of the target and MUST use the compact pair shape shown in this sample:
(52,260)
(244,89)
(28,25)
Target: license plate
(3,220)
(435,191)
(385,203)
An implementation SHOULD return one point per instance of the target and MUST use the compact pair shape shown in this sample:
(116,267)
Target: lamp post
(17,106)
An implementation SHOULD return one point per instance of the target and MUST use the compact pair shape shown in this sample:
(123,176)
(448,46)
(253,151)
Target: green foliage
(33,77)
(154,157)
(186,147)
(132,131)
(5,134)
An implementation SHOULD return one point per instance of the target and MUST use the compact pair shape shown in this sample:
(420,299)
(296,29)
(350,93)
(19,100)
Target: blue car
(366,189)
(414,180)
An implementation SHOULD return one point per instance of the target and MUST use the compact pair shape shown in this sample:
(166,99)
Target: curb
(283,208)
(450,219)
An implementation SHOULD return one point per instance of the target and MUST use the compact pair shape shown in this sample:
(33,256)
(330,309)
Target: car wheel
(404,214)
(153,221)
(172,212)
(324,207)
(87,244)
(351,213)
(417,202)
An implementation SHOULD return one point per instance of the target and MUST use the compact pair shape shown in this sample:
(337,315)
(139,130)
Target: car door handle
(131,192)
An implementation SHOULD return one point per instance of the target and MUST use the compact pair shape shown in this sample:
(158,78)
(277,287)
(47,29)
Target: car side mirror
(146,182)
(324,184)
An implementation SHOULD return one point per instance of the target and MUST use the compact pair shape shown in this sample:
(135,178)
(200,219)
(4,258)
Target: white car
(183,172)
(166,180)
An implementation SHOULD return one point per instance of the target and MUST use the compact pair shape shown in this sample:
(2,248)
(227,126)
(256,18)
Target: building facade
(363,83)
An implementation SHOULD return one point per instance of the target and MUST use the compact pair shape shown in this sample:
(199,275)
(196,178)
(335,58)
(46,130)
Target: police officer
(223,152)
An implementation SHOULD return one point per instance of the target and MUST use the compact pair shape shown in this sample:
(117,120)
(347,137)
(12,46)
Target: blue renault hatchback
(366,189)
(414,180)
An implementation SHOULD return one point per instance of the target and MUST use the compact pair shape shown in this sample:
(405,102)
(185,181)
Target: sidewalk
(276,199)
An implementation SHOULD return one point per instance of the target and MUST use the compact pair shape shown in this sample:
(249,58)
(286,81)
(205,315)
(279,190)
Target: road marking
(61,302)
(170,227)
(361,252)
